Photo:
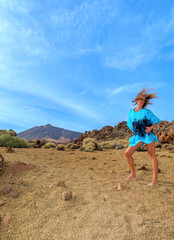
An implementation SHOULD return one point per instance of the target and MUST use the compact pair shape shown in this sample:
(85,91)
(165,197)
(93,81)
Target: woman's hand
(148,129)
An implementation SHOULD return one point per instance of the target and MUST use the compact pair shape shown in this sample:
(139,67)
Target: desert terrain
(98,210)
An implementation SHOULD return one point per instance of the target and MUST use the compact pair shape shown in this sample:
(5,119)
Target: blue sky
(78,64)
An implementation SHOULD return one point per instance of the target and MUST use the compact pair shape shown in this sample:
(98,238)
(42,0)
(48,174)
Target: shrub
(3,132)
(11,133)
(158,145)
(87,140)
(50,145)
(60,147)
(69,145)
(91,144)
(13,141)
(90,147)
(100,147)
(108,145)
(72,146)
(31,144)
(168,146)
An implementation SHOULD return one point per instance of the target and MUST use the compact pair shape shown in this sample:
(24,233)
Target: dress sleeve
(129,122)
(153,118)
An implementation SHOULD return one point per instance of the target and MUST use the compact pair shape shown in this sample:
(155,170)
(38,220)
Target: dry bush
(60,147)
(50,145)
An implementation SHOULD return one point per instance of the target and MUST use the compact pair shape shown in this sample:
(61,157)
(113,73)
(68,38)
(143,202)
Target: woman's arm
(154,125)
(149,129)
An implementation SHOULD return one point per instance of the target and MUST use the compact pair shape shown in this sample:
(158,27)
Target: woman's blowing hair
(143,94)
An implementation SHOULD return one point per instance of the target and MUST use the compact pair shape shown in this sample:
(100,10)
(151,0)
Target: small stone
(143,168)
(33,206)
(73,198)
(106,197)
(7,189)
(50,186)
(141,223)
(1,159)
(1,203)
(8,220)
(14,193)
(112,171)
(120,187)
(61,184)
(67,195)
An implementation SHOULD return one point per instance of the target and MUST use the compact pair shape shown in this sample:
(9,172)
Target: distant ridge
(49,131)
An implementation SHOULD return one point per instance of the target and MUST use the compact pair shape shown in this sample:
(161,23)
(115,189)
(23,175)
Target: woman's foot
(153,183)
(131,176)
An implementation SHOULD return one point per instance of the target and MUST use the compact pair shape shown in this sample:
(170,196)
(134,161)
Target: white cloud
(128,88)
(28,39)
(24,116)
(151,38)
(50,94)
(133,88)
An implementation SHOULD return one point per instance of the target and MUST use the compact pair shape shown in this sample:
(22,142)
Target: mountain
(49,131)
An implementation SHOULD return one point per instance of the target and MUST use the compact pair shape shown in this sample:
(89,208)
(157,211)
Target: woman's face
(140,101)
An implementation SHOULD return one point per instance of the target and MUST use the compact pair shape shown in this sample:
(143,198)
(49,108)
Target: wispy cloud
(129,59)
(151,37)
(69,32)
(49,94)
(10,114)
(132,88)
(128,88)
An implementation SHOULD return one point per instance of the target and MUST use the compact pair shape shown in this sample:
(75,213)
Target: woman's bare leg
(128,153)
(154,160)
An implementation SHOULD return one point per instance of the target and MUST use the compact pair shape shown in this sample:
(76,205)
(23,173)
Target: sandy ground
(100,211)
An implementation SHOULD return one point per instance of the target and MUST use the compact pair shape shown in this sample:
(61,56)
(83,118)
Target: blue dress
(137,122)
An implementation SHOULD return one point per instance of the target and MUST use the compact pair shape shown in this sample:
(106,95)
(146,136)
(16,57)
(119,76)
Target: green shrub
(11,133)
(50,145)
(72,146)
(168,146)
(90,147)
(100,147)
(60,147)
(108,145)
(87,140)
(31,144)
(3,132)
(12,141)
(69,145)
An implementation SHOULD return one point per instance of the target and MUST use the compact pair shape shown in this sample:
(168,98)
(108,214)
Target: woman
(142,121)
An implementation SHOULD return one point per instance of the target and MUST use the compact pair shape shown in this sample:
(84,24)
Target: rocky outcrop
(39,143)
(164,131)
